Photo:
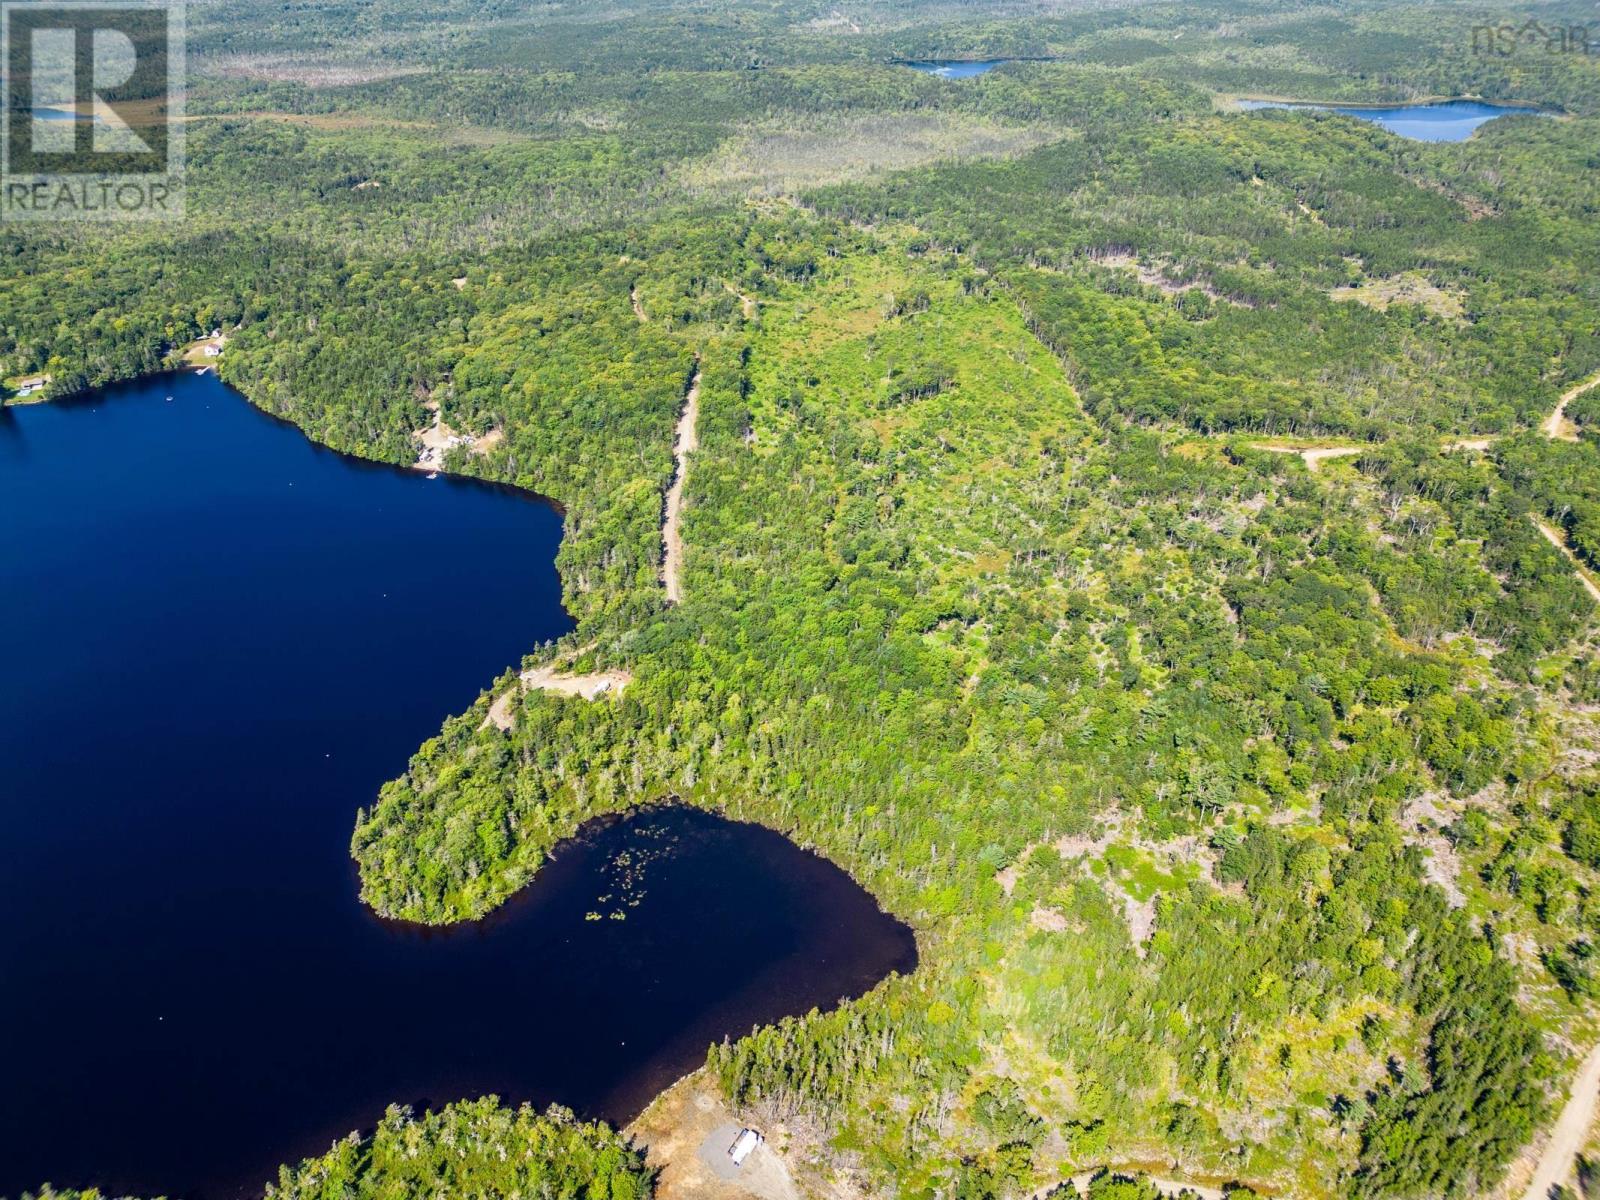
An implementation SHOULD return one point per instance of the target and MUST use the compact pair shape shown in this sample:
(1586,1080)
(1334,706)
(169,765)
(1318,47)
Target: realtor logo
(93,120)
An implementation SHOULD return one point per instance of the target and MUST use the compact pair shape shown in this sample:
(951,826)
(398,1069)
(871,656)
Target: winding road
(1556,424)
(1571,1130)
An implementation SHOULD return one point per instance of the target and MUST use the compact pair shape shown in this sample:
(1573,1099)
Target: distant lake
(60,114)
(218,641)
(1447,121)
(955,68)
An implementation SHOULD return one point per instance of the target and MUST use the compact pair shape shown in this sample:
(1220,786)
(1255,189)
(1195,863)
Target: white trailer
(743,1146)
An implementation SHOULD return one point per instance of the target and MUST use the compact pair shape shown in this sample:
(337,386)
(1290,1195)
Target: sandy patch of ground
(1141,918)
(746,303)
(1155,275)
(500,712)
(1421,823)
(1482,443)
(1069,848)
(638,309)
(761,1174)
(590,686)
(439,438)
(551,678)
(1140,914)
(1311,455)
(435,441)
(686,1133)
(1407,288)
(1048,919)
(1557,426)
(687,442)
(1179,858)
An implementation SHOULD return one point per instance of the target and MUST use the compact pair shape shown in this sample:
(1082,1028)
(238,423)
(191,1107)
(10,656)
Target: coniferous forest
(1152,546)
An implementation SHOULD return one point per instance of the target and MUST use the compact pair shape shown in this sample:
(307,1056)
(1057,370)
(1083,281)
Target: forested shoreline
(469,1148)
(1245,811)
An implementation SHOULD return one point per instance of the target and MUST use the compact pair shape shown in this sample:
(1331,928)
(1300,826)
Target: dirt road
(688,441)
(1312,455)
(1570,1132)
(551,679)
(1553,536)
(1556,424)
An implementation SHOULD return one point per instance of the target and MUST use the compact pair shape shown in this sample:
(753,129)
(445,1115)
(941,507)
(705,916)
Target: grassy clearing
(782,159)
(1408,288)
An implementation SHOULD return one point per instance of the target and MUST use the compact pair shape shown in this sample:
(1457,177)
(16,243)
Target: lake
(954,68)
(1446,121)
(219,641)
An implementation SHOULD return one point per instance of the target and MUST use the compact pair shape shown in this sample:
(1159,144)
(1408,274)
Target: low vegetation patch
(789,157)
(1409,288)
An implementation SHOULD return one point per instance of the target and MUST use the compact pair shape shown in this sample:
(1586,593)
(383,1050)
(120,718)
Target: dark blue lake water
(218,641)
(1449,121)
(955,68)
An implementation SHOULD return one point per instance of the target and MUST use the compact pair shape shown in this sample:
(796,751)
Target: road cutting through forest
(1555,537)
(687,441)
(1570,1132)
(1312,455)
(1556,424)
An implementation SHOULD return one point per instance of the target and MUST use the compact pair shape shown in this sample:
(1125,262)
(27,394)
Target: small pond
(954,68)
(1445,121)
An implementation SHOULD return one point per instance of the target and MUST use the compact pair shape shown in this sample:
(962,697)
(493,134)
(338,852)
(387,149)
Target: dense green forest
(1243,802)
(471,1149)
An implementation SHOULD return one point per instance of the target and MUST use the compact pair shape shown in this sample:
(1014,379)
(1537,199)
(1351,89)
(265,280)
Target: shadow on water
(220,640)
